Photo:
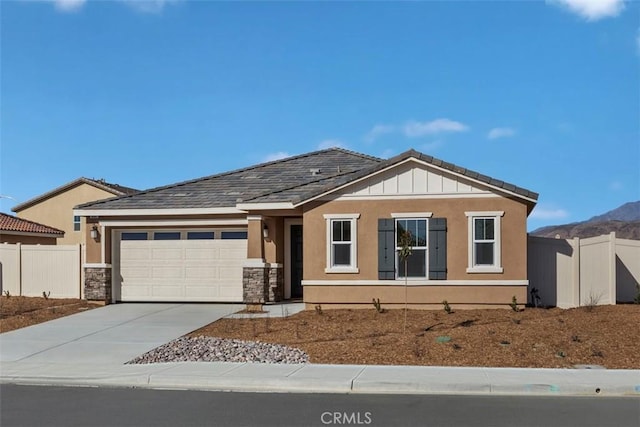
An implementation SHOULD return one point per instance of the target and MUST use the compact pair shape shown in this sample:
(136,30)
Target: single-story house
(55,207)
(18,230)
(322,227)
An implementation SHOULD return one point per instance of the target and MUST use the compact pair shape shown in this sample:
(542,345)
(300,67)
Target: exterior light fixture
(265,231)
(94,233)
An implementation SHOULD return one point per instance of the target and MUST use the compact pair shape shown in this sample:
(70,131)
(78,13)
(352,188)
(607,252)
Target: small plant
(7,294)
(297,331)
(447,307)
(596,353)
(514,304)
(418,349)
(575,338)
(285,311)
(378,306)
(267,324)
(535,297)
(592,300)
(318,309)
(45,295)
(561,354)
(254,329)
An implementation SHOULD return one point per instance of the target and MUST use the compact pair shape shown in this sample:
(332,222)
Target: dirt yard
(19,312)
(539,338)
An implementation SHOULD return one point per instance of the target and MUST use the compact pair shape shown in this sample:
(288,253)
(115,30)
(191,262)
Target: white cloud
(276,156)
(591,10)
(377,131)
(413,129)
(330,143)
(496,133)
(148,6)
(548,213)
(68,5)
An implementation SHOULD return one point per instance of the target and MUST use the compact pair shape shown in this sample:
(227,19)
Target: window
(484,242)
(166,235)
(341,243)
(134,236)
(236,235)
(416,262)
(76,223)
(199,235)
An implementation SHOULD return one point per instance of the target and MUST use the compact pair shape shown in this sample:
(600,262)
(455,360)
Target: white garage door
(182,270)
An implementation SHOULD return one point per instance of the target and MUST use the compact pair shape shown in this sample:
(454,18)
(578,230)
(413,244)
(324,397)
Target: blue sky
(545,95)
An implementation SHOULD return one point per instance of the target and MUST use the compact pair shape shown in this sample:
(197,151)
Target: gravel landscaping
(211,349)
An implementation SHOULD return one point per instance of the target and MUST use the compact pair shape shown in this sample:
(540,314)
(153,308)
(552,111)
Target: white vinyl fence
(576,272)
(30,270)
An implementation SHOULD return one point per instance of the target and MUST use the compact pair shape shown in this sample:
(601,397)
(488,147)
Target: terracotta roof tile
(15,224)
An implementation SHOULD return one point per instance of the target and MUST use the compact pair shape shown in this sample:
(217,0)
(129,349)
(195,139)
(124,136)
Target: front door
(296,260)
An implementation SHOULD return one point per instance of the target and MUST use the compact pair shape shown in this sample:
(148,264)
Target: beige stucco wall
(513,231)
(57,211)
(428,296)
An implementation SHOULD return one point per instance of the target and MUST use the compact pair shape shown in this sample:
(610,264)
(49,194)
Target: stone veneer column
(262,283)
(255,280)
(97,283)
(276,283)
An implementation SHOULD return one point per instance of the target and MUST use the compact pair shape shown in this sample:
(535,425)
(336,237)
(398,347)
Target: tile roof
(115,189)
(14,224)
(244,185)
(294,180)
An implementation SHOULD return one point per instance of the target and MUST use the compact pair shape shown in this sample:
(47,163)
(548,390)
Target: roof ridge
(63,187)
(234,171)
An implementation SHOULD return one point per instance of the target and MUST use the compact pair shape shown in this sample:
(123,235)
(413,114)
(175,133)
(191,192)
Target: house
(322,227)
(55,207)
(17,230)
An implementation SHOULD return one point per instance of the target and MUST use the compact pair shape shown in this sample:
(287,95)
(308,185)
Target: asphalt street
(79,406)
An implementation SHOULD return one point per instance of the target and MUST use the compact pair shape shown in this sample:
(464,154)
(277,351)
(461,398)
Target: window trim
(425,247)
(497,236)
(353,268)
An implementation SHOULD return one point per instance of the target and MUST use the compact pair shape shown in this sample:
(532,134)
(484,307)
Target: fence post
(575,274)
(612,268)
(19,270)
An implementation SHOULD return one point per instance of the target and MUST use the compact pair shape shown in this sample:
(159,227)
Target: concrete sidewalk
(91,348)
(310,378)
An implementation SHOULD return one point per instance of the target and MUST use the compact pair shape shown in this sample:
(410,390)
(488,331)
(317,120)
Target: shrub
(446,306)
(514,304)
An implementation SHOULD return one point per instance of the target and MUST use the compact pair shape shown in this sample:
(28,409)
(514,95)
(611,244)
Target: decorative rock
(210,349)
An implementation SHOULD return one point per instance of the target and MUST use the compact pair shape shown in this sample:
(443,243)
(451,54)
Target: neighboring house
(17,230)
(323,227)
(55,207)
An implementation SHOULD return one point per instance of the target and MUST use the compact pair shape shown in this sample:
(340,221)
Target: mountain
(624,220)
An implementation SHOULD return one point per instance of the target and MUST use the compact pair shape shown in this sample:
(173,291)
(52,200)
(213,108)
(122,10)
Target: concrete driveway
(113,334)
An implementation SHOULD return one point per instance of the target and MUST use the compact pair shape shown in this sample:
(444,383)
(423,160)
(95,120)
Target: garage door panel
(168,254)
(202,253)
(182,270)
(167,273)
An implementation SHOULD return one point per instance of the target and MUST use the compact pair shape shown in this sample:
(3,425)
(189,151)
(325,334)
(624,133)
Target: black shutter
(437,249)
(386,249)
